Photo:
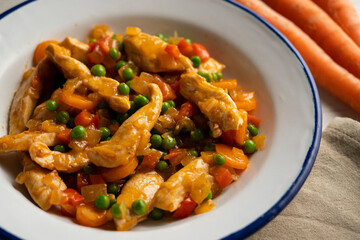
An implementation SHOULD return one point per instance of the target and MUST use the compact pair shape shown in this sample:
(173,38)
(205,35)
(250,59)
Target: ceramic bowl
(254,52)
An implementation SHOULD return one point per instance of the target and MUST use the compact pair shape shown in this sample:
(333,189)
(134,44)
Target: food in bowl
(129,126)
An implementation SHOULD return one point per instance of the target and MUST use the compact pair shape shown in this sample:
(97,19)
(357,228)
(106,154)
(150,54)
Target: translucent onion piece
(200,188)
(91,192)
(205,207)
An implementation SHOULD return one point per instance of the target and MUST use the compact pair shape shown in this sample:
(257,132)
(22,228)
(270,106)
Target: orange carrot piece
(150,160)
(322,29)
(39,53)
(254,120)
(234,157)
(77,101)
(176,155)
(345,14)
(226,84)
(326,72)
(247,101)
(241,133)
(117,173)
(222,176)
(64,136)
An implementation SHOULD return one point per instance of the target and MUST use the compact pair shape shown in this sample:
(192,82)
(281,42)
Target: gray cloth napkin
(328,204)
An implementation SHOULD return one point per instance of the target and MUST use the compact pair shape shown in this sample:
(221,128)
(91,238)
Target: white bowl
(254,52)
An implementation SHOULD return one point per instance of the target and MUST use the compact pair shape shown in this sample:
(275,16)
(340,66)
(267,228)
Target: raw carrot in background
(322,29)
(326,72)
(344,13)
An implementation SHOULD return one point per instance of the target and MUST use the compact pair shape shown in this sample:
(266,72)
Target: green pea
(121,45)
(115,210)
(71,123)
(78,132)
(194,153)
(103,105)
(113,188)
(197,134)
(140,101)
(214,76)
(249,146)
(160,35)
(121,117)
(162,165)
(128,74)
(114,53)
(120,64)
(112,201)
(168,143)
(205,75)
(51,105)
(98,70)
(218,159)
(63,117)
(155,141)
(165,106)
(102,202)
(188,40)
(209,196)
(209,147)
(88,169)
(114,121)
(132,108)
(196,61)
(60,148)
(92,40)
(252,129)
(123,89)
(219,75)
(171,103)
(105,133)
(107,139)
(139,207)
(156,214)
(113,36)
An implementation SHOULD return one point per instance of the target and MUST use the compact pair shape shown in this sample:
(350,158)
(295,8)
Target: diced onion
(91,192)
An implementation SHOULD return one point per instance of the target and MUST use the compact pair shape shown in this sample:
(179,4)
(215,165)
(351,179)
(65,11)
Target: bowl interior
(252,52)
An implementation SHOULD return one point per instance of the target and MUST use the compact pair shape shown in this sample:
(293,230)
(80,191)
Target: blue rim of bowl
(310,156)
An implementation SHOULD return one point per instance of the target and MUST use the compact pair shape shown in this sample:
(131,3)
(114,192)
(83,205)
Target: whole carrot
(326,72)
(322,29)
(345,14)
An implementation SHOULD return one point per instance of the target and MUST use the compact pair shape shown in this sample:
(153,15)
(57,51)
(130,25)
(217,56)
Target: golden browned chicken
(71,161)
(77,49)
(148,53)
(132,135)
(28,94)
(174,190)
(23,141)
(211,66)
(40,183)
(140,186)
(70,67)
(213,102)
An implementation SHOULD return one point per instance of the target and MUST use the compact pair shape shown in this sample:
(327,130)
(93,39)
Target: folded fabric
(328,204)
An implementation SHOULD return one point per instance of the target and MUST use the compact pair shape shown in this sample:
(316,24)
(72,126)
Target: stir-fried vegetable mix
(129,125)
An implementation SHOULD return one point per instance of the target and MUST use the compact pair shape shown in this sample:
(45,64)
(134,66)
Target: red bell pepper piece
(185,209)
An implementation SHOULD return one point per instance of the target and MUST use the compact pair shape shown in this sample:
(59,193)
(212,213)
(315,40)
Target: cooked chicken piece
(107,88)
(71,161)
(78,49)
(40,183)
(70,67)
(178,186)
(211,66)
(213,102)
(140,186)
(23,141)
(28,94)
(133,135)
(148,53)
(101,31)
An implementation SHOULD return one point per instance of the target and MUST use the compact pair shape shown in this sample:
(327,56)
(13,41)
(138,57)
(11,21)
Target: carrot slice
(39,53)
(88,215)
(254,120)
(234,157)
(222,176)
(228,84)
(117,173)
(77,101)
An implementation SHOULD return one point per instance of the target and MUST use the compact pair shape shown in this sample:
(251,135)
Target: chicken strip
(78,49)
(148,53)
(213,102)
(69,162)
(40,183)
(178,186)
(70,67)
(140,186)
(28,94)
(132,135)
(23,141)
(211,66)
